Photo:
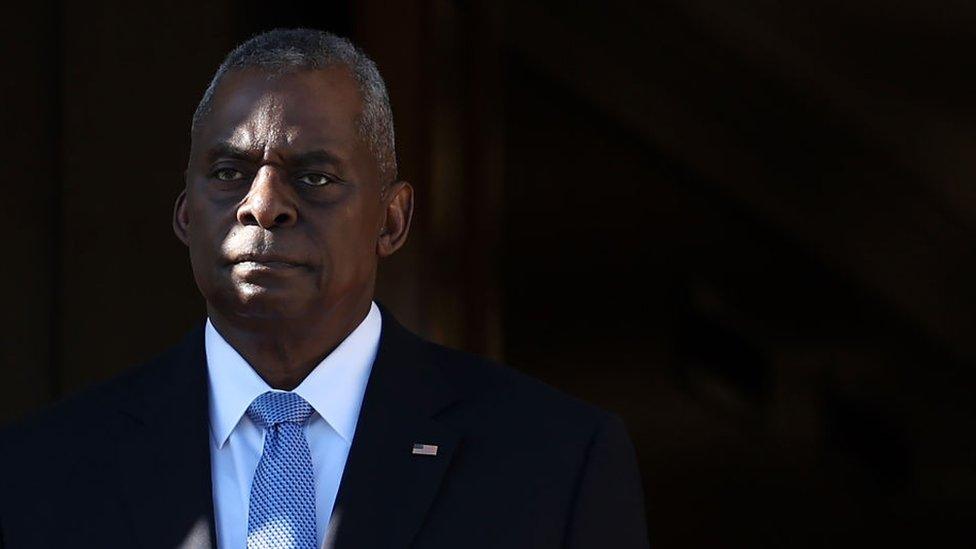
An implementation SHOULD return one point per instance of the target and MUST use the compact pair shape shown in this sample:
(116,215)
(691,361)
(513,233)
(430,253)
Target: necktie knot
(273,408)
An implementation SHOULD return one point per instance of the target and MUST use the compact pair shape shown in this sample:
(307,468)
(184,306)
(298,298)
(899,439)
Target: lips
(267,261)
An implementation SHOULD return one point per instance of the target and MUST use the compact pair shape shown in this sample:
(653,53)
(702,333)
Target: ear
(396,224)
(181,219)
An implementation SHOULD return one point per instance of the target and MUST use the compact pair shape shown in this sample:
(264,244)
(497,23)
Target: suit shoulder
(78,415)
(55,439)
(70,414)
(514,394)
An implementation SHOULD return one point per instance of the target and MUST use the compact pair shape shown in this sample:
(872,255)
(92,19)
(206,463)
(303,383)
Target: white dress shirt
(334,389)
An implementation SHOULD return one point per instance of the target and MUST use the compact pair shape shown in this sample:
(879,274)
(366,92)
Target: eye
(227,174)
(316,179)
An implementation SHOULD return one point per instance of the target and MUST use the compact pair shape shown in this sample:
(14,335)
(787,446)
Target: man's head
(291,194)
(282,51)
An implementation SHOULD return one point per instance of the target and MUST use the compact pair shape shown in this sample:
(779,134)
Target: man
(301,414)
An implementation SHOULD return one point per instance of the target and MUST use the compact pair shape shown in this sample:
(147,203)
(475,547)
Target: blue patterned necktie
(282,507)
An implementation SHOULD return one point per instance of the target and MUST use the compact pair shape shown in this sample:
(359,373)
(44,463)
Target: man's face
(284,203)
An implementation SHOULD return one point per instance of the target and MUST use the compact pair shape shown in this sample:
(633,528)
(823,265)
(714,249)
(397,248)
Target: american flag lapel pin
(424,449)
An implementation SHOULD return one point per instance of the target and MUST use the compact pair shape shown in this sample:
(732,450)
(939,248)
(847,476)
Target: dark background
(746,227)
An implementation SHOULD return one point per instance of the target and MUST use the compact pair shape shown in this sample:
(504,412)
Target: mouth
(266,263)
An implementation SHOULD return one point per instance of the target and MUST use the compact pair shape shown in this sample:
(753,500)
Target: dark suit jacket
(127,464)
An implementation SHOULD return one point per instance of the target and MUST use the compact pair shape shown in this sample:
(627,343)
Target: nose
(270,202)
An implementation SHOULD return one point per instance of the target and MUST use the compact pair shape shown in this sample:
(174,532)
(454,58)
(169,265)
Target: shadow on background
(747,229)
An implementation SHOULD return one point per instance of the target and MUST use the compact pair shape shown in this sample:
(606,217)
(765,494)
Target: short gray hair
(284,50)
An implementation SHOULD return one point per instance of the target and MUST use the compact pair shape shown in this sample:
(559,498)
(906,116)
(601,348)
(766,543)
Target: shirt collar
(334,388)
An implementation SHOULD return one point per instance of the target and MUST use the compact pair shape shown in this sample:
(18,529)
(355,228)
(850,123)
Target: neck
(282,353)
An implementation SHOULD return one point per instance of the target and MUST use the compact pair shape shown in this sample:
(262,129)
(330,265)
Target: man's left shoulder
(497,394)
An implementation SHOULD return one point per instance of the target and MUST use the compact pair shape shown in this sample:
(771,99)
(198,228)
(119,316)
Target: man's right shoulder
(71,424)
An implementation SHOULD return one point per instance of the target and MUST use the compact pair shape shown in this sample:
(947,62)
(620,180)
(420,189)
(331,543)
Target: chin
(259,303)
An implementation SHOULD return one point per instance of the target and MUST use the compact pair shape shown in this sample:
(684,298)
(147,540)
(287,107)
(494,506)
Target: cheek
(347,246)
(204,240)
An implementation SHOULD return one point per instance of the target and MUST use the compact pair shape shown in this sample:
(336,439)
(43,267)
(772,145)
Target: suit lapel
(164,462)
(386,489)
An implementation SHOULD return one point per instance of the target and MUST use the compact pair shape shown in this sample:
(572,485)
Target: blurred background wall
(746,227)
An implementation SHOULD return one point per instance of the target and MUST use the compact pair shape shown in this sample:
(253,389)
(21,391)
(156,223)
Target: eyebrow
(306,158)
(226,150)
(314,157)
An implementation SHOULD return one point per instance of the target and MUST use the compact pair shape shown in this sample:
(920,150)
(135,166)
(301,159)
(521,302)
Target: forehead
(253,108)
